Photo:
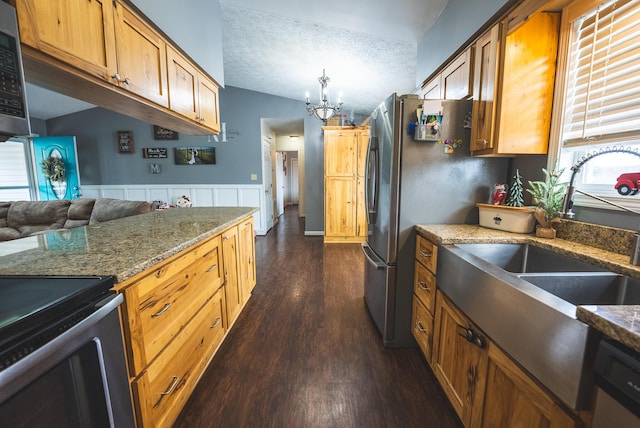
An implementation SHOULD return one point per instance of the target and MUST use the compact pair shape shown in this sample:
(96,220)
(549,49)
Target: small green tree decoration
(548,195)
(516,197)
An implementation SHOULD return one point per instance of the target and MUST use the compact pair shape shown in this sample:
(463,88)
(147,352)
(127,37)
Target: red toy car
(628,183)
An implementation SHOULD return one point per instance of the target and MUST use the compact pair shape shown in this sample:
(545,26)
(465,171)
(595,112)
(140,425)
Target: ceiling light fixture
(324,110)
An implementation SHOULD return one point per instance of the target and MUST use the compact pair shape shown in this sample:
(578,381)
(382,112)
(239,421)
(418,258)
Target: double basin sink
(524,297)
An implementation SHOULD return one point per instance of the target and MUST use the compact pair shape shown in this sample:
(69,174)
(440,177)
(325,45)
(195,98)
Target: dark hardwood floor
(305,352)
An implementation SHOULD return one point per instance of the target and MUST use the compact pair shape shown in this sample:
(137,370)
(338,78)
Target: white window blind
(14,177)
(603,87)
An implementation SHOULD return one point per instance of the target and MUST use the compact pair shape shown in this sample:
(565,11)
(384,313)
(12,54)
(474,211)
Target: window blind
(603,87)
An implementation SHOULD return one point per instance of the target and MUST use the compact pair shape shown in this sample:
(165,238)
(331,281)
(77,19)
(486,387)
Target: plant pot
(545,232)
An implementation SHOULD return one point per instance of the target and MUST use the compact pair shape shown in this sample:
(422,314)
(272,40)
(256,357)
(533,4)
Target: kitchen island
(185,275)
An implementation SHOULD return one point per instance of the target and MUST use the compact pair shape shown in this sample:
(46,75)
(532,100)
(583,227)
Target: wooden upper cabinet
(78,32)
(208,103)
(191,93)
(432,90)
(142,57)
(484,76)
(514,77)
(457,77)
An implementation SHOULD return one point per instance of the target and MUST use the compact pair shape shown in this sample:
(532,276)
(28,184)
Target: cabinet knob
(126,81)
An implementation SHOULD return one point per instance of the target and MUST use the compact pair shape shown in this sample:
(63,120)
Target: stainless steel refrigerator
(411,182)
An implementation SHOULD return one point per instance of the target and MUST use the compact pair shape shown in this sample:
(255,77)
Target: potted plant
(548,196)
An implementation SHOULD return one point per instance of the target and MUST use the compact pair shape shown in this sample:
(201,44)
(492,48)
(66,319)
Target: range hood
(14,117)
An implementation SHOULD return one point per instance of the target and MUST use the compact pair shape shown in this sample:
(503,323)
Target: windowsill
(631,202)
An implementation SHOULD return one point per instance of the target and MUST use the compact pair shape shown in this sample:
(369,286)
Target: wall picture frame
(124,141)
(160,133)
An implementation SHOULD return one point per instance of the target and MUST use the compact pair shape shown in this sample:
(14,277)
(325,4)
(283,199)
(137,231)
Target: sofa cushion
(109,209)
(79,212)
(34,216)
(4,209)
(8,233)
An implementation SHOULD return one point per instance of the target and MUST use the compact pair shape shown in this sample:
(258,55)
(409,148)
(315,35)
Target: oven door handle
(18,375)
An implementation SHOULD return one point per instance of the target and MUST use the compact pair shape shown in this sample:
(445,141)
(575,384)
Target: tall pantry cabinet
(345,155)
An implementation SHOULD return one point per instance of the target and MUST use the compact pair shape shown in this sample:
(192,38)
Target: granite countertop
(120,248)
(620,322)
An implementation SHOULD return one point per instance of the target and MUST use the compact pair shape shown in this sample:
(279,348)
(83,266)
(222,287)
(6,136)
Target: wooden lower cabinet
(485,386)
(164,387)
(176,314)
(460,364)
(233,290)
(246,241)
(513,399)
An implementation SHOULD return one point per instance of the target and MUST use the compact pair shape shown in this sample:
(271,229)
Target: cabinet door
(457,77)
(183,85)
(230,255)
(247,262)
(142,57)
(362,150)
(209,113)
(459,364)
(513,399)
(340,206)
(484,85)
(77,32)
(432,90)
(340,157)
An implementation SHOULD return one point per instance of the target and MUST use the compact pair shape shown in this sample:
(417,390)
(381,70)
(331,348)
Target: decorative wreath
(53,168)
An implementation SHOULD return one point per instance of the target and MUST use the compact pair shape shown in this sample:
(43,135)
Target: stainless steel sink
(588,288)
(524,298)
(522,258)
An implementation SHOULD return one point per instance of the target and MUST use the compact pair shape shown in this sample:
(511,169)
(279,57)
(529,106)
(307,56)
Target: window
(14,174)
(602,96)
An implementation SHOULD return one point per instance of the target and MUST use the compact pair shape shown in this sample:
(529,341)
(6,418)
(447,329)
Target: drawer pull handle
(217,323)
(162,311)
(420,327)
(172,387)
(212,268)
(423,253)
(423,285)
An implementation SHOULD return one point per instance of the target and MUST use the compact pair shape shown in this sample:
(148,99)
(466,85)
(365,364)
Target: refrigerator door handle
(373,258)
(371,180)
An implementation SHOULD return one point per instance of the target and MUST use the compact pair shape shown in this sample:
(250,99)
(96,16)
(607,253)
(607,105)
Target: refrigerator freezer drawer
(379,293)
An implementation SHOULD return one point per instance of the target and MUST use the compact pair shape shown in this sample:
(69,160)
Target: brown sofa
(24,218)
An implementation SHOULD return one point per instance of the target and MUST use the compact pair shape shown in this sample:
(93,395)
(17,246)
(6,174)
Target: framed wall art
(194,155)
(125,141)
(160,133)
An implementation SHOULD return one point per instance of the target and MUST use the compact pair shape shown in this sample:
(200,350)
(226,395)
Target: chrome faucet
(568,199)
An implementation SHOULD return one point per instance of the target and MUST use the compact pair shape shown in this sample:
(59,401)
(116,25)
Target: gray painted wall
(197,29)
(459,20)
(236,160)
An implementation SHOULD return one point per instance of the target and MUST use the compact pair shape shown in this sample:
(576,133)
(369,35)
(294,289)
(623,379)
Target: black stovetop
(29,303)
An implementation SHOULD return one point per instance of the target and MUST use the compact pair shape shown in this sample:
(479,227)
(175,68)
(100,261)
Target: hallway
(305,352)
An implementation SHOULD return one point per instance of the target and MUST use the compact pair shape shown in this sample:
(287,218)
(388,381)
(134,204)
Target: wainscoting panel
(201,195)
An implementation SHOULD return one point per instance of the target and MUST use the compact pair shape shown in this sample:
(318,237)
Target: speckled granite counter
(619,322)
(119,248)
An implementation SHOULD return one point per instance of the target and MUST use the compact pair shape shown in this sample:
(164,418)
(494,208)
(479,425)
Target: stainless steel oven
(62,361)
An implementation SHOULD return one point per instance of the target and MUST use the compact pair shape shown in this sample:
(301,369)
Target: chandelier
(324,110)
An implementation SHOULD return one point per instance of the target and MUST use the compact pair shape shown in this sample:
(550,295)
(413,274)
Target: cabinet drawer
(427,253)
(159,305)
(163,389)
(422,327)
(424,287)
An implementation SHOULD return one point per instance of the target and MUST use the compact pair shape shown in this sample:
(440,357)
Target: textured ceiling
(280,47)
